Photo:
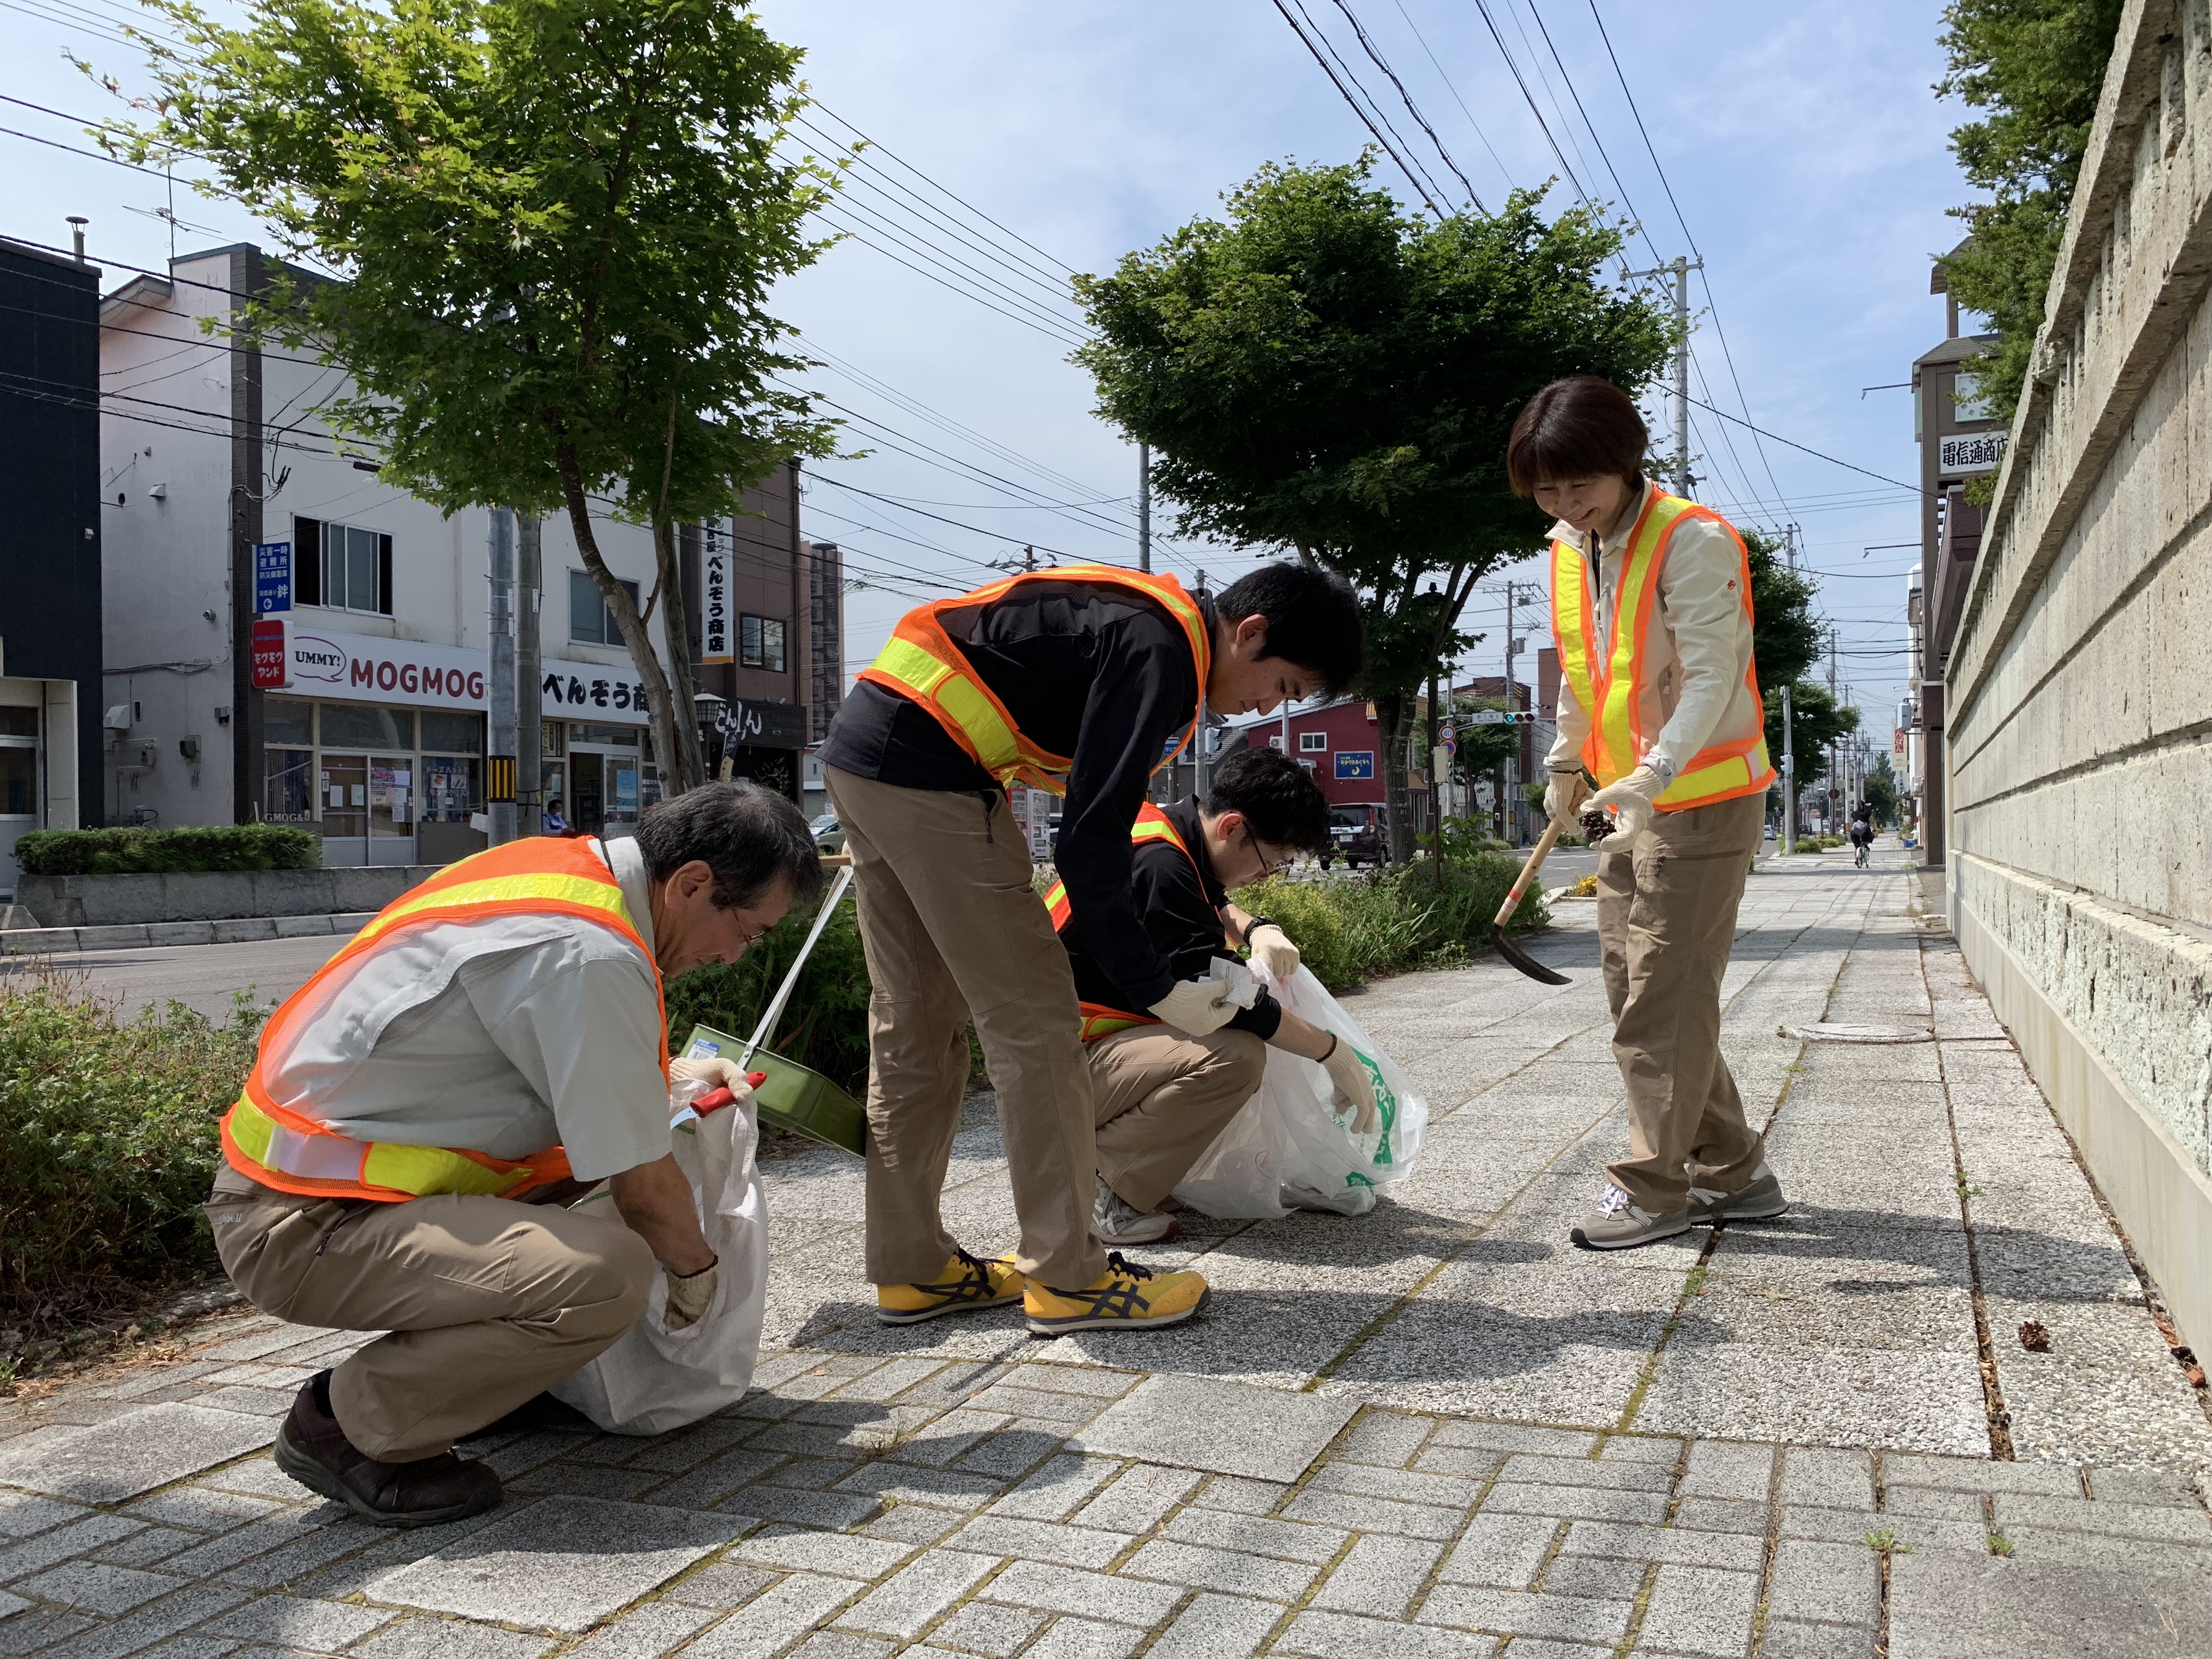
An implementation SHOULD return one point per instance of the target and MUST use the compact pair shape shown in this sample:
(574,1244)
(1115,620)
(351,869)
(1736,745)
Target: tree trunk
(657,700)
(1394,726)
(686,767)
(1436,782)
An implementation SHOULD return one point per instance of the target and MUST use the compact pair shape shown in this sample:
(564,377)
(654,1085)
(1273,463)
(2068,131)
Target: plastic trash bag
(1290,1148)
(655,1379)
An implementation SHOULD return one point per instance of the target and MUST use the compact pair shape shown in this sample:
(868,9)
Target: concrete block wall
(2080,681)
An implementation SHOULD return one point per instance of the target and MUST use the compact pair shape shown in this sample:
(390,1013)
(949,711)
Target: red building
(1339,743)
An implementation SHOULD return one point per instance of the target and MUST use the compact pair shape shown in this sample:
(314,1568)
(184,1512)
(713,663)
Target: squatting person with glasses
(420,1108)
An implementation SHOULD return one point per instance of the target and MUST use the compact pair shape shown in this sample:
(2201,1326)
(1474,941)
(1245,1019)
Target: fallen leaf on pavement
(2034,1338)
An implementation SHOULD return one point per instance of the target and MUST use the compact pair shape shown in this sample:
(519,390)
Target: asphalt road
(202,977)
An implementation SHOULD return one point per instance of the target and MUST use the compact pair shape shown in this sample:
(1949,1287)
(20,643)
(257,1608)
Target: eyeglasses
(1267,867)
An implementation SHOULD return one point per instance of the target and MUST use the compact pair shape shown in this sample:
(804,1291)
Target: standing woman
(1652,609)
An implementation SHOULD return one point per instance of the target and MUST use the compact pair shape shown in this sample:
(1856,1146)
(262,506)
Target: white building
(230,516)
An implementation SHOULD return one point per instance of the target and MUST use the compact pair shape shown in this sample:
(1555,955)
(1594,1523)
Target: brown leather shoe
(313,1451)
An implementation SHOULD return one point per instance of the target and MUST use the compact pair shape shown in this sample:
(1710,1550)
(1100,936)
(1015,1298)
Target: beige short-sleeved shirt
(502,1035)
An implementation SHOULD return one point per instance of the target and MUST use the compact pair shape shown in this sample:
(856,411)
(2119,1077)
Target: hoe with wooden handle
(1506,948)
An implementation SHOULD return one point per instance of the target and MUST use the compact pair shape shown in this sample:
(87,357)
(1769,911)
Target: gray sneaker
(1619,1225)
(1118,1222)
(1760,1200)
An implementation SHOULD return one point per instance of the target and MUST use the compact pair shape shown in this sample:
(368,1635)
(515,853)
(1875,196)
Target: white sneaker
(1118,1222)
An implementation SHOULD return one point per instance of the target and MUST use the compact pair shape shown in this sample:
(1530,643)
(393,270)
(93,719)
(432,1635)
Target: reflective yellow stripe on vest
(418,1171)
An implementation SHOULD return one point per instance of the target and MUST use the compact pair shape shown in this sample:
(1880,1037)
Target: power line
(1365,120)
(1406,98)
(1820,454)
(1454,90)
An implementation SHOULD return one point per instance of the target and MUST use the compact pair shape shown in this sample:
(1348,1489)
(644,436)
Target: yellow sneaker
(966,1283)
(1129,1296)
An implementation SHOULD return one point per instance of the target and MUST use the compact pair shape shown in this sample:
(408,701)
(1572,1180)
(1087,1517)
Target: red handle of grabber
(717,1099)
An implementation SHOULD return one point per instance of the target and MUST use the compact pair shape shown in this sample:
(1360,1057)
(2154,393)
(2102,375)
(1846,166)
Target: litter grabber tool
(789,1096)
(1506,948)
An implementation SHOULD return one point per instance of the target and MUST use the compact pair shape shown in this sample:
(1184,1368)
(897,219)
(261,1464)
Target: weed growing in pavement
(1352,928)
(107,1143)
(1966,1188)
(1885,1543)
(1695,1284)
(1999,1544)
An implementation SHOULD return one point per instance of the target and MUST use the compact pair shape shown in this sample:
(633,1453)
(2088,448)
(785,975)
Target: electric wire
(1365,120)
(1368,46)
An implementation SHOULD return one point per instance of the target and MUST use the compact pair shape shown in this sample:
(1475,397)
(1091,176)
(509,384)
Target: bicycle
(1859,855)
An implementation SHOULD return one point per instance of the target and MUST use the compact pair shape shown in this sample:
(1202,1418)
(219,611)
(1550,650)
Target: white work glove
(1563,796)
(714,1069)
(1195,1006)
(1631,803)
(1355,1089)
(689,1295)
(1271,947)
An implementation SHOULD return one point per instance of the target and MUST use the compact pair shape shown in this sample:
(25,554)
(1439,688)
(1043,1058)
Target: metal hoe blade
(1506,948)
(1521,959)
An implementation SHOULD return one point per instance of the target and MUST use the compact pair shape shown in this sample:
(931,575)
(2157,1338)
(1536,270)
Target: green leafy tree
(1785,636)
(1482,751)
(1320,371)
(2036,67)
(1881,784)
(556,224)
(1816,721)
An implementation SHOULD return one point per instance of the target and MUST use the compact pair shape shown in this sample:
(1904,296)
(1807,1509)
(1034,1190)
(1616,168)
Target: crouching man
(491,1038)
(1164,1092)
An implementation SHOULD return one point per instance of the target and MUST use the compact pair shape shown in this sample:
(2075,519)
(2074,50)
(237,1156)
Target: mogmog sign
(357,668)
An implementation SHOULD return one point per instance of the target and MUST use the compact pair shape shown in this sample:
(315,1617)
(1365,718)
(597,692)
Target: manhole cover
(1841,1033)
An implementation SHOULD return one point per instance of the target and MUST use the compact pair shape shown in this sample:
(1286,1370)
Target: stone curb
(48,941)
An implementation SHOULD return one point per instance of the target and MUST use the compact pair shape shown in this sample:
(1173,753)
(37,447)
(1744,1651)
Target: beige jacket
(1700,645)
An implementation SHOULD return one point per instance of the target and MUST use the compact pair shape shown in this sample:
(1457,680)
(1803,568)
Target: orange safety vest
(921,663)
(290,1148)
(1098,1019)
(1603,677)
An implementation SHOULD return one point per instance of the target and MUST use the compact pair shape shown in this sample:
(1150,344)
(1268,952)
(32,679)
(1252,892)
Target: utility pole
(529,671)
(499,783)
(1828,812)
(1788,775)
(1679,269)
(1512,706)
(1145,507)
(1198,731)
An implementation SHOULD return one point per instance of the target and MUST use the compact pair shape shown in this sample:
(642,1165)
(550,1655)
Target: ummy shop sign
(357,668)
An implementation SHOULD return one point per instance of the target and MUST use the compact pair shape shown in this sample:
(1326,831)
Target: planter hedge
(168,852)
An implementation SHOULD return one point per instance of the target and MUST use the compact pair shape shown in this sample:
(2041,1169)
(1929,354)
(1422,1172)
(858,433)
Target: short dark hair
(752,838)
(1578,427)
(1313,619)
(1281,802)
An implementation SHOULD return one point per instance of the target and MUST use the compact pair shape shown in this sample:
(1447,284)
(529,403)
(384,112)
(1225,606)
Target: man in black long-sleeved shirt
(1085,680)
(1165,1095)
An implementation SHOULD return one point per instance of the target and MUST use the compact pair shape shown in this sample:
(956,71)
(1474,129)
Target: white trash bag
(1290,1148)
(655,1379)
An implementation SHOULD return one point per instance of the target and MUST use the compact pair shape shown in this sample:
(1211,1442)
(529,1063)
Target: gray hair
(753,839)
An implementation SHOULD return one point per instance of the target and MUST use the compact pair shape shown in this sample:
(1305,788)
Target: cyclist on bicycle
(1861,837)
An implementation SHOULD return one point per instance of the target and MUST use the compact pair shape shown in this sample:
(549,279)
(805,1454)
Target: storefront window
(553,739)
(19,782)
(618,737)
(285,721)
(288,789)
(453,787)
(18,721)
(357,726)
(453,734)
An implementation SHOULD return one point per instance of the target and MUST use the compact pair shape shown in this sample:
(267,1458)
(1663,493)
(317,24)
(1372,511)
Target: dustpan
(792,1096)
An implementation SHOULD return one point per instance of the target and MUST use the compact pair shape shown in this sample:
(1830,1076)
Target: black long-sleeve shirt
(1182,910)
(1094,671)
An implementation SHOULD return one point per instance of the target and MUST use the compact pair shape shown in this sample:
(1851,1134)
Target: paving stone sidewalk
(1432,1431)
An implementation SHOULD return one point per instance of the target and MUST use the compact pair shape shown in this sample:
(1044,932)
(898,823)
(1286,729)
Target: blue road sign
(272,577)
(1355,763)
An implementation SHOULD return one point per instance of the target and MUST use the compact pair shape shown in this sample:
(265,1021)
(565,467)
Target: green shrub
(125,851)
(1352,928)
(825,1024)
(107,1143)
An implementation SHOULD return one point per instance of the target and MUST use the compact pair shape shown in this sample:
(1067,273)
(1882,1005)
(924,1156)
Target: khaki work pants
(486,1301)
(1162,1099)
(954,931)
(1665,922)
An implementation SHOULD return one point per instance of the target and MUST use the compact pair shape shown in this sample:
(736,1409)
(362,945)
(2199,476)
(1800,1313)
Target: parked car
(1358,834)
(828,837)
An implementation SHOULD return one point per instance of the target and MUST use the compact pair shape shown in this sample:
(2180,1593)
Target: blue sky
(1804,146)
